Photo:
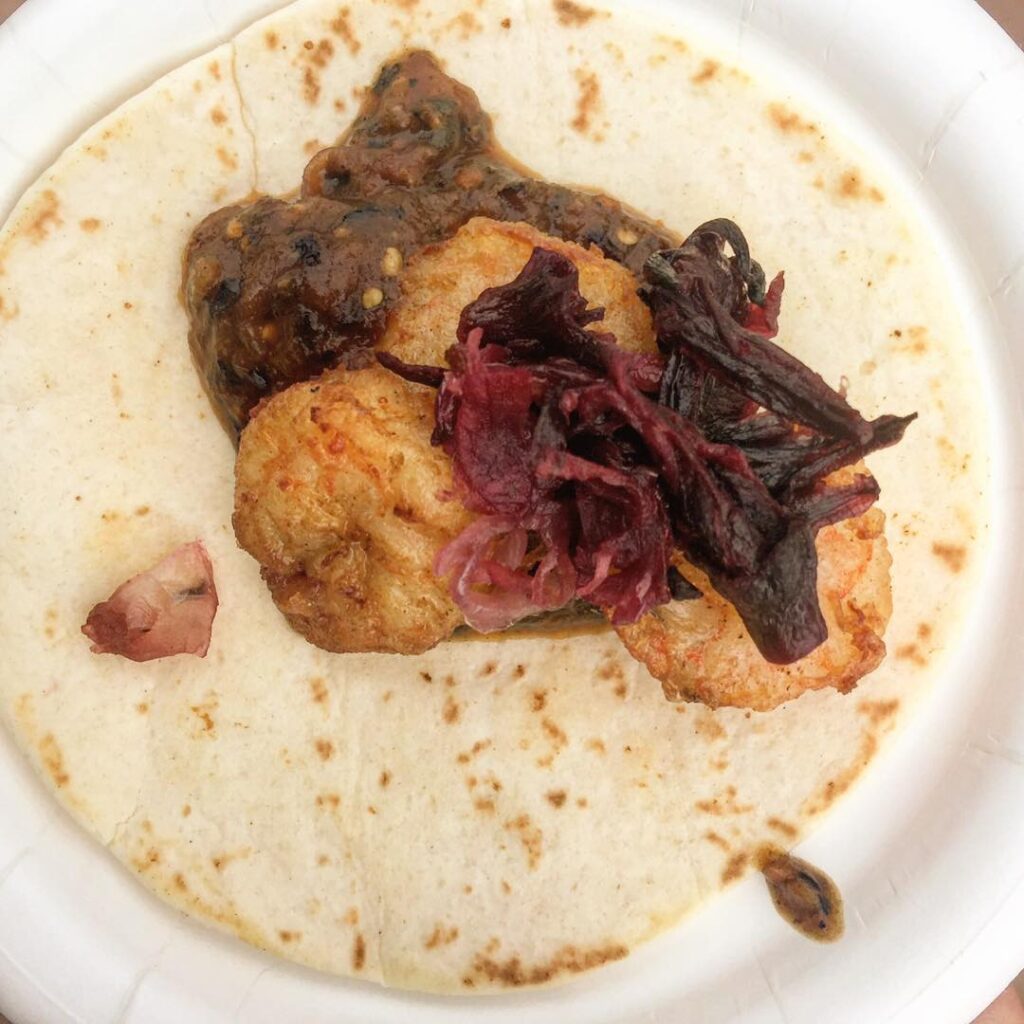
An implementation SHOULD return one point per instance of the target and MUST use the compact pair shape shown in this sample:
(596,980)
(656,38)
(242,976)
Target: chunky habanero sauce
(279,289)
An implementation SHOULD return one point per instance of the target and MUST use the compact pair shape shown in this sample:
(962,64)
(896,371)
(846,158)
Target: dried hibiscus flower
(590,465)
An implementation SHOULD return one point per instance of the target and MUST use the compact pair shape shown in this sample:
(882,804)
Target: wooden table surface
(1009,13)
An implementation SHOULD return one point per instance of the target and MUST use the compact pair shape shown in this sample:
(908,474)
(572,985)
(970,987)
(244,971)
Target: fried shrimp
(448,277)
(700,651)
(344,502)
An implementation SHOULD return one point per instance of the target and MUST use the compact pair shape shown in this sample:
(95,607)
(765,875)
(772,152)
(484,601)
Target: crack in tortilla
(122,825)
(245,113)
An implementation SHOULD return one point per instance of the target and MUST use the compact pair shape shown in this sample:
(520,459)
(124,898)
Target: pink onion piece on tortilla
(165,610)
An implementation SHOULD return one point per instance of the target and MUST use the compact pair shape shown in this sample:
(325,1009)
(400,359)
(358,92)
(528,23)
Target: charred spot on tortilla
(804,895)
(419,161)
(571,14)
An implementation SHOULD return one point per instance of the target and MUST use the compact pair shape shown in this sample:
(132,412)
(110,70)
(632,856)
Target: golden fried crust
(446,278)
(341,498)
(700,650)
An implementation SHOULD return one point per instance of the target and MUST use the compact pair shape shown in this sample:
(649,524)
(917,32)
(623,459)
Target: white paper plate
(929,851)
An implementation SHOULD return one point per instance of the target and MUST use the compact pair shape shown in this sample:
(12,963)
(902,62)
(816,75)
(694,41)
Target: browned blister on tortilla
(165,610)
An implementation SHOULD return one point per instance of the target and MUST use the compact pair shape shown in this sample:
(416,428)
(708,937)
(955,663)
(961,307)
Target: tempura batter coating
(342,500)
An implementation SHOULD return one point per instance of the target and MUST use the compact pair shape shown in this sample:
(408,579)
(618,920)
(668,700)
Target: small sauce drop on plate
(803,895)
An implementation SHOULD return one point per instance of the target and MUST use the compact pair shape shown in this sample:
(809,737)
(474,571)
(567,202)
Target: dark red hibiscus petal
(764,318)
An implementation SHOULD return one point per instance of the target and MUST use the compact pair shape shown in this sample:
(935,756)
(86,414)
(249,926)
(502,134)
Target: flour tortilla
(494,813)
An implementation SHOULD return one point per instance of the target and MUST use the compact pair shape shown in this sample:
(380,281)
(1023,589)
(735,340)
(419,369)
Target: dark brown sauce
(280,288)
(803,895)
